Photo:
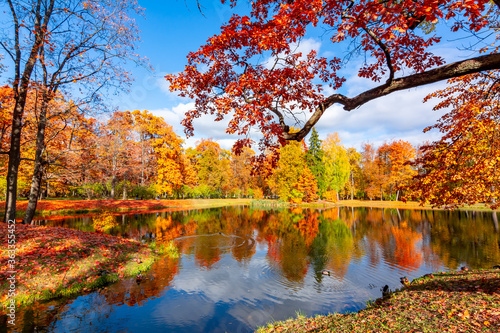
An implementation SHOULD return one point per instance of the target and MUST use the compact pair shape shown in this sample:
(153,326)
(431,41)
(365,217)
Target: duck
(496,267)
(139,278)
(325,272)
(404,281)
(385,290)
(464,269)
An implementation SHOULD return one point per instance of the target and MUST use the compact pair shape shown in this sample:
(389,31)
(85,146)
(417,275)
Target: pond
(242,267)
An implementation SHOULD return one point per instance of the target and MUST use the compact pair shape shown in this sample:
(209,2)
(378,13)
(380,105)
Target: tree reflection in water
(244,264)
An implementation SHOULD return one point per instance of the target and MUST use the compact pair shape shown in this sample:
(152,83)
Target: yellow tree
(336,163)
(173,170)
(292,179)
(355,175)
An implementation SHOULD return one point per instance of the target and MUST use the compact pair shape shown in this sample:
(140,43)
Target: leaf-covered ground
(51,207)
(56,262)
(446,302)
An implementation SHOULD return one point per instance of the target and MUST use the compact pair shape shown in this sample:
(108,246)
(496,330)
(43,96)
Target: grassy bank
(58,262)
(445,302)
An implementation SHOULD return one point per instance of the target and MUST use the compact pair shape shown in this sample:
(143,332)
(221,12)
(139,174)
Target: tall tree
(372,182)
(336,162)
(71,42)
(292,179)
(314,157)
(355,174)
(212,166)
(241,171)
(228,74)
(397,162)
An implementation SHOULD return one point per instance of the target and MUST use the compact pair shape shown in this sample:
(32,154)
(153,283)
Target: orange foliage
(406,254)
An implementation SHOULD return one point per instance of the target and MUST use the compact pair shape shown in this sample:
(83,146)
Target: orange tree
(227,75)
(463,167)
(394,161)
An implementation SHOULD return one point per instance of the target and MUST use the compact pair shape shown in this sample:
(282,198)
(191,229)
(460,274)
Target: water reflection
(241,267)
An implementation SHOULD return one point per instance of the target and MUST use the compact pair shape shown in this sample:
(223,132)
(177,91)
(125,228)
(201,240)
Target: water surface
(241,267)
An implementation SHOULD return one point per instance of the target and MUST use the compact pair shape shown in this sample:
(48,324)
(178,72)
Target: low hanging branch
(456,69)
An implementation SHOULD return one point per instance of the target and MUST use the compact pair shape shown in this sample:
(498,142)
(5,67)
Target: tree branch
(456,69)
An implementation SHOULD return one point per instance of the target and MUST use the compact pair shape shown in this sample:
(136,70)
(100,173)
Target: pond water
(241,267)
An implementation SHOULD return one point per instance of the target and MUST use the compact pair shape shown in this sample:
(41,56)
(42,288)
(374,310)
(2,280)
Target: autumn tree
(228,76)
(355,174)
(241,172)
(336,164)
(372,182)
(292,179)
(395,164)
(314,157)
(212,167)
(117,150)
(463,166)
(79,43)
(172,169)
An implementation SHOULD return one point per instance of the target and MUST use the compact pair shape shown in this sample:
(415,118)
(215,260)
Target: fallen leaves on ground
(53,262)
(448,302)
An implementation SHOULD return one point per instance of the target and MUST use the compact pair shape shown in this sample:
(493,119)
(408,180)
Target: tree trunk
(36,180)
(397,195)
(124,191)
(113,185)
(352,185)
(495,220)
(20,87)
(14,157)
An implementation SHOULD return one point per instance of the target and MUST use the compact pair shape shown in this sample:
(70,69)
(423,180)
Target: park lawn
(59,262)
(464,301)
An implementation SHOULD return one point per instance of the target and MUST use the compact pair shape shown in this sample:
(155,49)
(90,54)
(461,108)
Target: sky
(171,29)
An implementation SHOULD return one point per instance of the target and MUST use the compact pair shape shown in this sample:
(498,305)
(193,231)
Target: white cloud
(204,127)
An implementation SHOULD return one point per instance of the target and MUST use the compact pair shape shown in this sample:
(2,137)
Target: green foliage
(314,158)
(168,249)
(92,190)
(144,192)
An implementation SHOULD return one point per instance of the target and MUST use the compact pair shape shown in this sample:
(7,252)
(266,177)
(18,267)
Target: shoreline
(448,301)
(55,262)
(68,208)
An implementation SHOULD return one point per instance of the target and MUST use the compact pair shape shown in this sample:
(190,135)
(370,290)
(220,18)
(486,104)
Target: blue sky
(171,29)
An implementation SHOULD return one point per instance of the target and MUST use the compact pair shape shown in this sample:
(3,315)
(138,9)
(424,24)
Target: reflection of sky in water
(237,296)
(229,297)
